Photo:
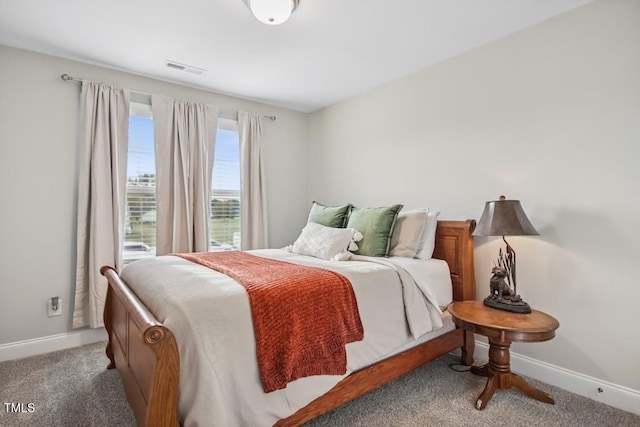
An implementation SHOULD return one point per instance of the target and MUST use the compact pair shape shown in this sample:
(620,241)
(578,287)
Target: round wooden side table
(502,328)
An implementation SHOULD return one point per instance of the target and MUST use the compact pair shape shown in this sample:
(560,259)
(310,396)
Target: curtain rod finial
(67,78)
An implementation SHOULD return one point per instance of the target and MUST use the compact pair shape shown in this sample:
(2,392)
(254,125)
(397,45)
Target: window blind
(225,189)
(140,207)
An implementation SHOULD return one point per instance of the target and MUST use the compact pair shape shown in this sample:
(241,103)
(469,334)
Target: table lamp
(505,218)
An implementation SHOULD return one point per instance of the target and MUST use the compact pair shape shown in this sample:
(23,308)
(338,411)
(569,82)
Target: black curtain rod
(68,78)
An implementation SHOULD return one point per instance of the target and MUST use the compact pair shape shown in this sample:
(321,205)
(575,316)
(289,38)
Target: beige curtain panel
(253,196)
(101,196)
(185,137)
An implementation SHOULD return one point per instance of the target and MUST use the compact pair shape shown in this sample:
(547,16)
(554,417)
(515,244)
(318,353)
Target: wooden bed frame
(146,354)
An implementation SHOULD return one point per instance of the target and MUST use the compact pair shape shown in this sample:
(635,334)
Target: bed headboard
(454,244)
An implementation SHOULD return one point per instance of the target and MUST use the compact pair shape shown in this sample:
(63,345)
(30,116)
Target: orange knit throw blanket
(303,317)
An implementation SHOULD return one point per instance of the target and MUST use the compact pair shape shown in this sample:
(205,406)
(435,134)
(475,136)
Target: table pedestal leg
(499,375)
(518,382)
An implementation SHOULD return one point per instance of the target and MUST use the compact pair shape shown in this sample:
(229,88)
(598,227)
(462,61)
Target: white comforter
(210,316)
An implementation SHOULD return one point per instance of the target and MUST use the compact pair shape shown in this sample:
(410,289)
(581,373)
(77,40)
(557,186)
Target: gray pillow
(376,226)
(330,216)
(407,234)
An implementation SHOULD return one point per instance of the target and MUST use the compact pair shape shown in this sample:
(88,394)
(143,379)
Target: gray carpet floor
(73,388)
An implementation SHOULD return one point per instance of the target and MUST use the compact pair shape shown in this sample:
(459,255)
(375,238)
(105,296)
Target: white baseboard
(36,346)
(614,395)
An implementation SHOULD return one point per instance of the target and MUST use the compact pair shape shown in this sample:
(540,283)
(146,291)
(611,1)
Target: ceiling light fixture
(272,12)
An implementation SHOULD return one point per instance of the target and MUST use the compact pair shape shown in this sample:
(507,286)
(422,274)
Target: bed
(146,353)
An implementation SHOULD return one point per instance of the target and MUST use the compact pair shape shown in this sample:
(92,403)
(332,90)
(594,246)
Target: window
(140,208)
(225,188)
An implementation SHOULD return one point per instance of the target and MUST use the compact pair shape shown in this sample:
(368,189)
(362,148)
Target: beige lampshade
(504,218)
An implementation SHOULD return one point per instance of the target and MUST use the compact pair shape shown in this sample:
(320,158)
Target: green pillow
(376,226)
(329,216)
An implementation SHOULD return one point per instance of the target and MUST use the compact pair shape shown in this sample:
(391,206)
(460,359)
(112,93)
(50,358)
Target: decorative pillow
(407,234)
(428,243)
(376,226)
(326,242)
(330,216)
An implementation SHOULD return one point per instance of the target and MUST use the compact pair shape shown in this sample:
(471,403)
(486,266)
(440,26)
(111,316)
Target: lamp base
(508,303)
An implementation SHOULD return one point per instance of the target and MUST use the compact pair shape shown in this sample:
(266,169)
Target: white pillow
(407,233)
(323,242)
(428,243)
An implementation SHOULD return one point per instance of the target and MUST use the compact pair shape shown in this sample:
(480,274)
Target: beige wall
(38,174)
(550,116)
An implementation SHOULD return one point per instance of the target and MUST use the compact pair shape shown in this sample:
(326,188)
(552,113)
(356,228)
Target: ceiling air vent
(184,67)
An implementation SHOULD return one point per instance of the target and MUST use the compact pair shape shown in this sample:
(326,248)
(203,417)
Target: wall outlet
(55,307)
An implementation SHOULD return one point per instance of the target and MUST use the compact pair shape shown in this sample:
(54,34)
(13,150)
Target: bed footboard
(145,353)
